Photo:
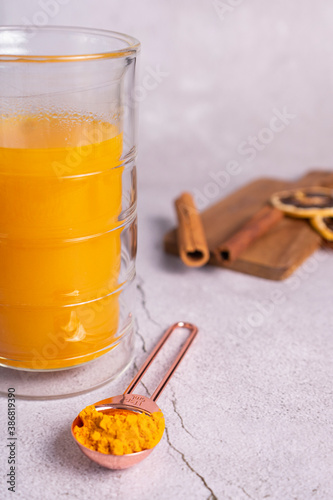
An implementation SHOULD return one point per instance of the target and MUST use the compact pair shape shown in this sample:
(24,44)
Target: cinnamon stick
(192,244)
(258,225)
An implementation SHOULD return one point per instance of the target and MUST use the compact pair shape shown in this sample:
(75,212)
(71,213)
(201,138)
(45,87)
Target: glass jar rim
(131,48)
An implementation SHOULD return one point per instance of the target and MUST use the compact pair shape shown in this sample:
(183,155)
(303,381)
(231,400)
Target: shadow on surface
(168,262)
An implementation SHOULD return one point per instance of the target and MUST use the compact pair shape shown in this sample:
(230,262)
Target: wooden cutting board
(281,250)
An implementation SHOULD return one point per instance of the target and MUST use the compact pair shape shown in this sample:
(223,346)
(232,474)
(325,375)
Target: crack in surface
(139,286)
(174,404)
(136,368)
(212,495)
(137,331)
(246,493)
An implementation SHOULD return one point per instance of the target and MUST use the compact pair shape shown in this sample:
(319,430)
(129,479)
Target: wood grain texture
(276,254)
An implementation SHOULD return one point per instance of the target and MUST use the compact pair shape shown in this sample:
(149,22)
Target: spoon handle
(193,331)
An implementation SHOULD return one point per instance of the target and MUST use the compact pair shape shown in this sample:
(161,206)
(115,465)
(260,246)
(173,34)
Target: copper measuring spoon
(137,403)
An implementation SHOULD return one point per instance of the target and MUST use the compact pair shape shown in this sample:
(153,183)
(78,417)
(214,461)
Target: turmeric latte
(119,432)
(60,240)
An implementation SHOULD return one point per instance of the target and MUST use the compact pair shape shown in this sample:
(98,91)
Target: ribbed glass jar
(67,208)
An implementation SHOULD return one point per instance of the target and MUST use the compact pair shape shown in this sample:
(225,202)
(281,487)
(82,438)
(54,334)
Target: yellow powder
(120,431)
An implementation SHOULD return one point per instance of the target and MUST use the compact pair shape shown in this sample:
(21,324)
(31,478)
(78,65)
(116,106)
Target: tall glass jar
(67,208)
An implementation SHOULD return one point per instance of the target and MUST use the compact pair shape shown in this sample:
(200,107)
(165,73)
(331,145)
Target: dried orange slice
(305,202)
(324,226)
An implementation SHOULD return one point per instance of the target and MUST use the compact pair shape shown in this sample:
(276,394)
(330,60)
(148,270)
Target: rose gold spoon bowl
(136,403)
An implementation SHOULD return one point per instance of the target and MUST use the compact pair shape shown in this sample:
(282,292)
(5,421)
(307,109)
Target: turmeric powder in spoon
(119,432)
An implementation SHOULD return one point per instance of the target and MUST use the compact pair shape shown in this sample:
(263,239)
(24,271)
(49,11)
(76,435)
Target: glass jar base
(73,381)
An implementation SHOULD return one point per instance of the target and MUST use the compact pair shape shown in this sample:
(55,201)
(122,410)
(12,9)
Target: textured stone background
(249,413)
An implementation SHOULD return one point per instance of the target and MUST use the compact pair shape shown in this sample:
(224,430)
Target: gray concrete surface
(249,413)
